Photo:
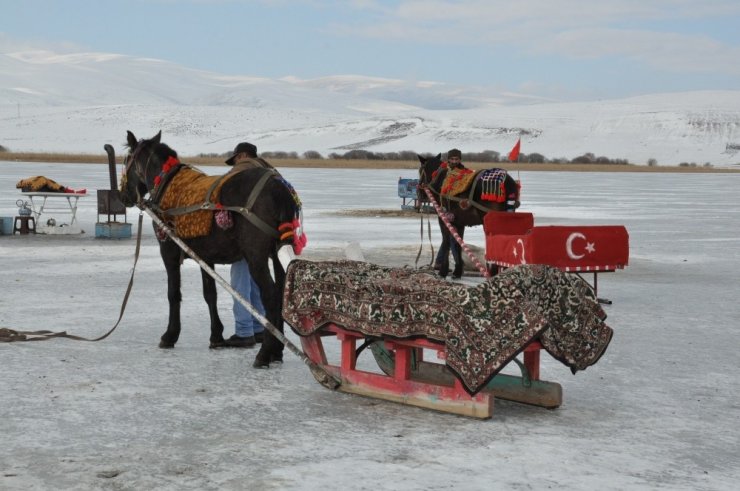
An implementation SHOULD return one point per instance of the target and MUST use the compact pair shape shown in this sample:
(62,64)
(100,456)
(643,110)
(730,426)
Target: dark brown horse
(252,235)
(466,209)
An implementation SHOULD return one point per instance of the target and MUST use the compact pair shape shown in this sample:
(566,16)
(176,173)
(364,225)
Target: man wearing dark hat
(245,157)
(247,330)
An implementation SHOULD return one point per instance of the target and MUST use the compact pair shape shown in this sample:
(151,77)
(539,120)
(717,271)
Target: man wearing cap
(245,157)
(247,330)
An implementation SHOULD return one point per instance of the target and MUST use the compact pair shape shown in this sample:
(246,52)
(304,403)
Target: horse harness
(172,166)
(463,202)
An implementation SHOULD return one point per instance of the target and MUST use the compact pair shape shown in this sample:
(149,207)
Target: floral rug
(483,327)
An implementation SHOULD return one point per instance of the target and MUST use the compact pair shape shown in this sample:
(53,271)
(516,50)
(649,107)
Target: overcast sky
(564,49)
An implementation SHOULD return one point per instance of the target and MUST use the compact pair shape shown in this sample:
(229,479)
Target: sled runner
(408,378)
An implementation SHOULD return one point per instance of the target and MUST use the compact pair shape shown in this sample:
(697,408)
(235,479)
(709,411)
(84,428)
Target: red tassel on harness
(293,229)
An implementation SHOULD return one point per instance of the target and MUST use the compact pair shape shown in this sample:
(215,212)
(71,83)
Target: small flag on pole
(514,154)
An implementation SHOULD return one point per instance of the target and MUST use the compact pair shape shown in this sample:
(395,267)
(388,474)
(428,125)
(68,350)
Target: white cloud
(12,45)
(665,51)
(565,27)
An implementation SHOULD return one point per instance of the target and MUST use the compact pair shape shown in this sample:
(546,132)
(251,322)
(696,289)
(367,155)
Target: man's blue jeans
(454,246)
(241,281)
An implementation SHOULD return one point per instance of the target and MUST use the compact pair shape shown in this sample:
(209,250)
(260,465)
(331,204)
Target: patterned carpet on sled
(483,327)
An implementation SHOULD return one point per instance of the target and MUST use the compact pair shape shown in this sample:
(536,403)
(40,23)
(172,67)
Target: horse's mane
(162,150)
(434,175)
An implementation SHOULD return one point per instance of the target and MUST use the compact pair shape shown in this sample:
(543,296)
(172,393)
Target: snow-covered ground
(659,410)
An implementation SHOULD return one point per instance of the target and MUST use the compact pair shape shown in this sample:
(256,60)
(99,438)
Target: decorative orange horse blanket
(190,187)
(458,181)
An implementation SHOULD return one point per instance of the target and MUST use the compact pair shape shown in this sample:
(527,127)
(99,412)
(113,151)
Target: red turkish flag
(514,154)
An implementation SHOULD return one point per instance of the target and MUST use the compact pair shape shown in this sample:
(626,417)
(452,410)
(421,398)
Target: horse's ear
(157,138)
(422,160)
(439,157)
(131,140)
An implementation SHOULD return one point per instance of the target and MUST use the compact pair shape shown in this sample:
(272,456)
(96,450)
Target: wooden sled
(407,378)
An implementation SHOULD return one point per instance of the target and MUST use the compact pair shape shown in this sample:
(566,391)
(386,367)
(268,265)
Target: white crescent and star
(590,246)
(520,242)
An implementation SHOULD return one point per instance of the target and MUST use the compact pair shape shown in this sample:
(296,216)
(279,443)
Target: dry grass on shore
(366,164)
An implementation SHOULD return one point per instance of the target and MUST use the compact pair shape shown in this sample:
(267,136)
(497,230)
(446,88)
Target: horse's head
(142,164)
(428,168)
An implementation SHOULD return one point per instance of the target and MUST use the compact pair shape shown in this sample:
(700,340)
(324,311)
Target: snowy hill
(79,102)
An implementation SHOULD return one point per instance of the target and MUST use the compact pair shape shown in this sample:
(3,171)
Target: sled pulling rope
(320,374)
(453,231)
(421,244)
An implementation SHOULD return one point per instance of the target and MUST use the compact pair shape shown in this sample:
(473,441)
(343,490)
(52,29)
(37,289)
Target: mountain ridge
(80,101)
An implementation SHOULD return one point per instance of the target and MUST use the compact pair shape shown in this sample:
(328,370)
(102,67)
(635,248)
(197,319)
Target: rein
(11,336)
(421,243)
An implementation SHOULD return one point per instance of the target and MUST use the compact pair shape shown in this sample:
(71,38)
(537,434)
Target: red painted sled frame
(408,379)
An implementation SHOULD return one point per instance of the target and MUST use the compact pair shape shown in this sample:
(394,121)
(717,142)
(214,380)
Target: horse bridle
(431,181)
(133,160)
(134,157)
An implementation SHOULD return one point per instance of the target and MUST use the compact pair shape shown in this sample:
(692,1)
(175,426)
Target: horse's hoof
(276,358)
(260,362)
(165,345)
(217,344)
(456,276)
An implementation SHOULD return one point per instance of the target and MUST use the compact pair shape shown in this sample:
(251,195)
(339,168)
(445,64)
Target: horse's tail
(513,191)
(291,218)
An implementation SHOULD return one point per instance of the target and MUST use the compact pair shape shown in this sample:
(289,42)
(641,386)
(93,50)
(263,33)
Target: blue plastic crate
(113,230)
(6,225)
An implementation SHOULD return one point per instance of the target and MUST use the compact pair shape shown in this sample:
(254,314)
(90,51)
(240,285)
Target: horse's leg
(271,295)
(444,251)
(171,258)
(457,254)
(210,295)
(279,273)
(276,351)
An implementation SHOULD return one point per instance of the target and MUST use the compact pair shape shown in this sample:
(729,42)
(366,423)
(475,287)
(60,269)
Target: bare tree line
(484,156)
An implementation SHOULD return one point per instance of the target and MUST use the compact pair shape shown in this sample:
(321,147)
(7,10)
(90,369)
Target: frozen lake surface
(659,410)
